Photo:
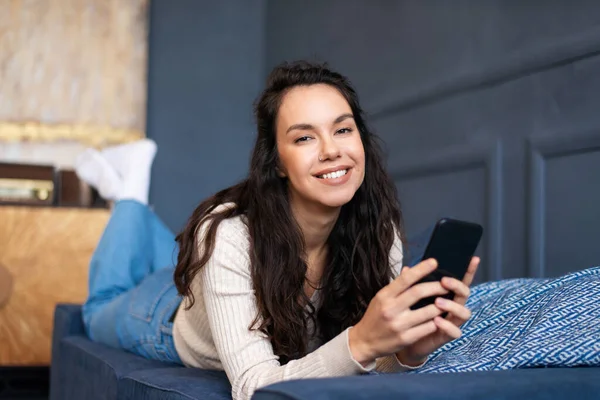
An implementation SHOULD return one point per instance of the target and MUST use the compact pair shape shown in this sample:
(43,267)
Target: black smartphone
(452,243)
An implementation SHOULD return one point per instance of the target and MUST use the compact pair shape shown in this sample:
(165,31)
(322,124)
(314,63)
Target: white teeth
(336,174)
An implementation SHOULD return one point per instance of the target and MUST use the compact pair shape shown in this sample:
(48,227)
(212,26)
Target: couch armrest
(67,322)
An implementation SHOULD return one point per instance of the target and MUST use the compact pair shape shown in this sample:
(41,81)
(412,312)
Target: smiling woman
(295,272)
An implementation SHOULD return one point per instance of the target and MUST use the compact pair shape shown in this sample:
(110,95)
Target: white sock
(93,169)
(133,162)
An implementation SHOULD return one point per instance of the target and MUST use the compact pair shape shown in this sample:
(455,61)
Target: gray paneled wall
(205,69)
(489,110)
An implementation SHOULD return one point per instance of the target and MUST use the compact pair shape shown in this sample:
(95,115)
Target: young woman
(295,272)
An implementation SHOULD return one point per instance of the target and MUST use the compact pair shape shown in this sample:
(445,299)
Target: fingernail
(441,301)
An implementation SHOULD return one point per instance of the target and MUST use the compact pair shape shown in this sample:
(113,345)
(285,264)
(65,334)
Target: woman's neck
(316,224)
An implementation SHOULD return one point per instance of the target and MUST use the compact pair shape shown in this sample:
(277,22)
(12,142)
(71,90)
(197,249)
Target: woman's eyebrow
(342,117)
(308,127)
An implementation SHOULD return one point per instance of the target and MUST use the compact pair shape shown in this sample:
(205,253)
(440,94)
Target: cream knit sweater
(214,333)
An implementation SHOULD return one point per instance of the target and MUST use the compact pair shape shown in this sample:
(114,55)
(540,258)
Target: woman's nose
(329,150)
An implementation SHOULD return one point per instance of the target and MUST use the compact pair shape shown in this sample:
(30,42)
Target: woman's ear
(279,169)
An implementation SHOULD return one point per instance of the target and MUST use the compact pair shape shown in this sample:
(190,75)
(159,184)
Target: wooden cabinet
(44,258)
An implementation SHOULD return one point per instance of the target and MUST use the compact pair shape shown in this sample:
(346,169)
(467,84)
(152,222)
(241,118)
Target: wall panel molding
(521,63)
(487,156)
(540,150)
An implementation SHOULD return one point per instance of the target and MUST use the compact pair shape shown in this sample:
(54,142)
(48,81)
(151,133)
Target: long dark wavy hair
(358,263)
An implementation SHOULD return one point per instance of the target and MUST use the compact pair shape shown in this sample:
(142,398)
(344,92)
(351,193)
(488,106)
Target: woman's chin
(336,201)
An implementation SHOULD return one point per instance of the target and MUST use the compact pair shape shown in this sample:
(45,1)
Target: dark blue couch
(82,369)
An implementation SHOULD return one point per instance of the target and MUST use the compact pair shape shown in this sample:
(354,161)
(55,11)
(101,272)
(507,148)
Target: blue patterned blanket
(526,323)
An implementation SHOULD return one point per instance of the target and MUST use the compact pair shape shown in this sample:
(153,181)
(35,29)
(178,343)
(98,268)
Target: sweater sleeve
(391,363)
(247,355)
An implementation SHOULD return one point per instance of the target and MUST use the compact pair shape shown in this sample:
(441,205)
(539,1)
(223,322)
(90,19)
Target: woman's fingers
(418,292)
(417,317)
(409,277)
(399,306)
(410,336)
(447,327)
(461,290)
(457,312)
(471,271)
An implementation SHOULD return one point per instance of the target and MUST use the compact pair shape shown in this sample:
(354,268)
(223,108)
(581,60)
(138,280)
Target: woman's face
(319,146)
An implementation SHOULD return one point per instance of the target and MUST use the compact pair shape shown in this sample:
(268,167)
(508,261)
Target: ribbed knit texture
(214,333)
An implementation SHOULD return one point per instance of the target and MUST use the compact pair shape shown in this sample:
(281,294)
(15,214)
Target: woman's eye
(344,130)
(302,139)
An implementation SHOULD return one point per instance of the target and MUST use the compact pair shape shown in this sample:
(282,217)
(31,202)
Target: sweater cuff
(338,359)
(392,364)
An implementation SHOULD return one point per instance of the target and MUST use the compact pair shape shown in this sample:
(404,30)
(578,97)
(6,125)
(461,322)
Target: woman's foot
(133,163)
(94,170)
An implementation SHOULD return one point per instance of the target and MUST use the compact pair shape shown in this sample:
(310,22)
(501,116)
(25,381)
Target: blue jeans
(132,295)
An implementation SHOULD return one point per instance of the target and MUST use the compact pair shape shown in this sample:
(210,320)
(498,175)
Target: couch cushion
(539,383)
(90,370)
(175,383)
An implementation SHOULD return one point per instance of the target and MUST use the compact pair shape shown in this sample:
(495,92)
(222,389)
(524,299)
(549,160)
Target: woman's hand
(447,329)
(389,324)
